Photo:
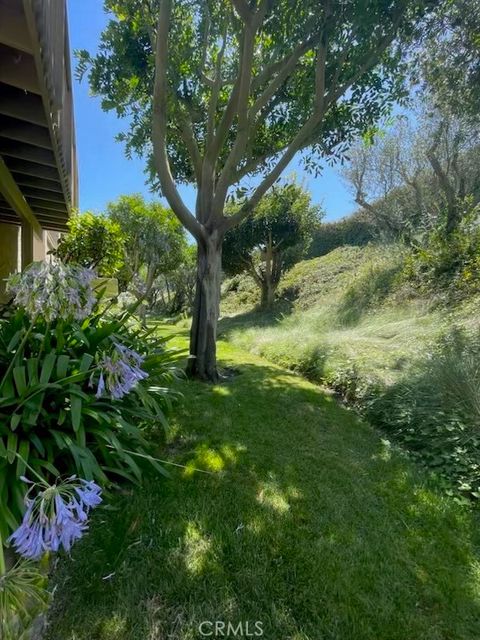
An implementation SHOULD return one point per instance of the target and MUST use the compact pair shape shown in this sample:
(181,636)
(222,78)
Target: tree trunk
(268,293)
(202,362)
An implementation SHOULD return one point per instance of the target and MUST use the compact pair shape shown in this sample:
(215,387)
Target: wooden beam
(57,215)
(18,69)
(7,215)
(36,203)
(32,169)
(30,181)
(15,199)
(13,28)
(55,227)
(22,105)
(20,131)
(40,194)
(28,152)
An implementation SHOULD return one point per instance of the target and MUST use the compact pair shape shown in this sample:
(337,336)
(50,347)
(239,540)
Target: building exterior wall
(9,253)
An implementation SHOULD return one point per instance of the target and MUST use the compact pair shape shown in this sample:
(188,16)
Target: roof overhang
(38,176)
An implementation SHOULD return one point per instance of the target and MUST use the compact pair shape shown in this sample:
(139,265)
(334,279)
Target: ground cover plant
(307,522)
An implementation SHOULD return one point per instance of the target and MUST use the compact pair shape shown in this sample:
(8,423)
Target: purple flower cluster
(120,373)
(54,290)
(56,517)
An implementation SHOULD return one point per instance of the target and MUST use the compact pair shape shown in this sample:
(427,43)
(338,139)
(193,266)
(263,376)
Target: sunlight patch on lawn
(197,552)
(272,496)
(212,460)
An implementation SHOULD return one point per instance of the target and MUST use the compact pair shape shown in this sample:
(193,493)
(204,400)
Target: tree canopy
(155,239)
(93,241)
(274,239)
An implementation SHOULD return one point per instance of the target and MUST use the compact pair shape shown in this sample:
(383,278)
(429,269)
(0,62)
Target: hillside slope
(349,321)
(342,310)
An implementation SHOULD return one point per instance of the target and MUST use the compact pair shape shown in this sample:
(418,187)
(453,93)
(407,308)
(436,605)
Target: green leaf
(37,443)
(32,369)
(76,409)
(15,421)
(19,375)
(22,458)
(12,442)
(62,366)
(47,367)
(85,362)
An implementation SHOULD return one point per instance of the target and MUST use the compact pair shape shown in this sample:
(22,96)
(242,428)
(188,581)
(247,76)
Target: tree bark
(202,362)
(268,285)
(268,294)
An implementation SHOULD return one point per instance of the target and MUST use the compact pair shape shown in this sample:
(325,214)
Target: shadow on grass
(306,522)
(256,318)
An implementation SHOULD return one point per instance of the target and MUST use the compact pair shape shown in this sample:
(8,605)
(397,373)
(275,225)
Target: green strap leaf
(76,409)
(12,442)
(62,365)
(20,377)
(47,367)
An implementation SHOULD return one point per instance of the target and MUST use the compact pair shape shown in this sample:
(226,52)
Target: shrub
(435,410)
(448,263)
(76,386)
(354,230)
(93,241)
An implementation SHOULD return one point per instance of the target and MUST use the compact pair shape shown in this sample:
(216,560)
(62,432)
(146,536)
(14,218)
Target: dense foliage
(439,265)
(154,241)
(93,241)
(435,411)
(356,230)
(268,243)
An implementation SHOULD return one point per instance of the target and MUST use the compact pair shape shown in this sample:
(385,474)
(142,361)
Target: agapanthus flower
(54,290)
(56,516)
(120,372)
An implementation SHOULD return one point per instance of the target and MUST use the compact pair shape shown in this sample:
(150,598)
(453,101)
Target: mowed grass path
(308,523)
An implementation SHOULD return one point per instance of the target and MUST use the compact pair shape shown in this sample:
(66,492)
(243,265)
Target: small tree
(93,241)
(155,240)
(220,90)
(174,291)
(274,239)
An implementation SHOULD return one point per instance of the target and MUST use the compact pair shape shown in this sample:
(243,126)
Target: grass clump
(307,521)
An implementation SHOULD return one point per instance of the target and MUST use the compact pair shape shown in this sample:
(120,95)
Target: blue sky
(105,172)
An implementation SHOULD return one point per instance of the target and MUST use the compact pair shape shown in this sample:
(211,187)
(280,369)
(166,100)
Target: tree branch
(186,132)
(243,10)
(311,124)
(159,125)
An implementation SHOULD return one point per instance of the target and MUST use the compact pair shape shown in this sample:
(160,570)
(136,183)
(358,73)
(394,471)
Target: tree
(405,176)
(449,58)
(220,90)
(174,291)
(93,241)
(274,239)
(154,243)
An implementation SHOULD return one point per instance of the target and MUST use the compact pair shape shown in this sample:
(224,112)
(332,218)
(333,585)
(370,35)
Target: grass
(307,522)
(346,312)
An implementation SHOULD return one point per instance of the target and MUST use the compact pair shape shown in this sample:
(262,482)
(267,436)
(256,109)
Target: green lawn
(308,523)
